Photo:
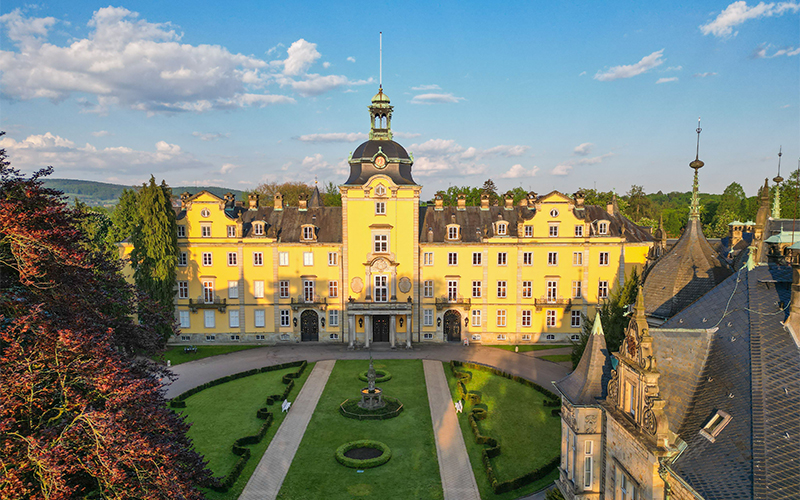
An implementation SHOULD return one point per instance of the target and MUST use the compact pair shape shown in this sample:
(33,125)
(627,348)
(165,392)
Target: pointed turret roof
(588,381)
(316,199)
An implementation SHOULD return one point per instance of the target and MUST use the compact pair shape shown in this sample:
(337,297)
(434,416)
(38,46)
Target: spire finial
(696,165)
(776,202)
(380,61)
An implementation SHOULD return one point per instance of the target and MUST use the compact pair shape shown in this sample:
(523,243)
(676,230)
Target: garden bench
(459,407)
(285,405)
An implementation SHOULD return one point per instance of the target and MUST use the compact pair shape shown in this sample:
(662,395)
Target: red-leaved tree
(79,416)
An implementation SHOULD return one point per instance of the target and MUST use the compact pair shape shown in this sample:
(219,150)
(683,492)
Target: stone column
(351,324)
(368,285)
(367,329)
(408,331)
(394,283)
(392,329)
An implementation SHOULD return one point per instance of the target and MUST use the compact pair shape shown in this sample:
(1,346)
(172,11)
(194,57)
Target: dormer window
(453,232)
(502,228)
(205,213)
(554,213)
(714,426)
(602,227)
(380,190)
(308,233)
(258,229)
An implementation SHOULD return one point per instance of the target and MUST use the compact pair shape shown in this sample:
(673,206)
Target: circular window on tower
(205,213)
(554,213)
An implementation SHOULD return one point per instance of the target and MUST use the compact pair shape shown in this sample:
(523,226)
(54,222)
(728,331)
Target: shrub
(369,463)
(350,409)
(380,376)
(474,397)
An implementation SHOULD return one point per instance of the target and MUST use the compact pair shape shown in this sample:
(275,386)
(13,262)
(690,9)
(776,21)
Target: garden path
(266,481)
(458,481)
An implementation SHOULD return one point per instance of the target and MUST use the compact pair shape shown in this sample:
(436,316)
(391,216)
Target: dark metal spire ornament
(696,165)
(776,203)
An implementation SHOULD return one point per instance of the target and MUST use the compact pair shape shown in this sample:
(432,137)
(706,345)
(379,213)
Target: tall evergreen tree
(155,245)
(125,217)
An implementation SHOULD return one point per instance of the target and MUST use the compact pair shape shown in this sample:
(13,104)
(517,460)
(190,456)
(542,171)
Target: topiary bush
(380,376)
(354,463)
(350,409)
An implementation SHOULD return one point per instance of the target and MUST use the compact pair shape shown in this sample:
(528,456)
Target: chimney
(438,202)
(430,234)
(184,198)
(532,199)
(793,321)
(580,198)
(484,201)
(523,202)
(462,202)
(509,201)
(736,233)
(253,200)
(278,201)
(612,208)
(302,202)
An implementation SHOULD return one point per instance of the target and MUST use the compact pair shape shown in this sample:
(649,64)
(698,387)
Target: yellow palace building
(383,268)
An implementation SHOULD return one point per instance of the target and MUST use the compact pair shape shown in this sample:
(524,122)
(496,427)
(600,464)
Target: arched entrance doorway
(452,326)
(309,326)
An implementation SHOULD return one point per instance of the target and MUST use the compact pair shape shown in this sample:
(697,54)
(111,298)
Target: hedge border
(224,484)
(368,463)
(383,378)
(382,416)
(493,449)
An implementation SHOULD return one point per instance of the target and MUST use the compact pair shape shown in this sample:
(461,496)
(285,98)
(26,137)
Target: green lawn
(529,436)
(226,412)
(557,358)
(413,471)
(528,348)
(176,355)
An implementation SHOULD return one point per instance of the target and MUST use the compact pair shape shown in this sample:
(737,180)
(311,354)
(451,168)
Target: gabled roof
(286,225)
(590,378)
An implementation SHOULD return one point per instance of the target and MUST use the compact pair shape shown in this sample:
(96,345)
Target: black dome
(390,148)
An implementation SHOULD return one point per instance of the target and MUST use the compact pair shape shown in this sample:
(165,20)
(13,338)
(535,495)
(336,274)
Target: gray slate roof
(590,378)
(286,224)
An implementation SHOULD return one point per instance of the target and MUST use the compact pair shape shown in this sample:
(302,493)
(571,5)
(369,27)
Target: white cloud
(667,80)
(595,160)
(704,75)
(437,147)
(582,73)
(786,106)
(301,55)
(406,135)
(760,52)
(564,168)
(25,31)
(738,12)
(351,59)
(210,137)
(326,65)
(228,167)
(447,157)
(101,133)
(426,87)
(583,149)
(674,68)
(561,169)
(435,99)
(507,151)
(627,71)
(334,137)
(314,163)
(517,171)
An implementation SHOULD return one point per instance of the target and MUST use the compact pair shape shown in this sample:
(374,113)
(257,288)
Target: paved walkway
(458,481)
(266,481)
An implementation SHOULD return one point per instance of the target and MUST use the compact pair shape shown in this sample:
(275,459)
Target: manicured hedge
(238,448)
(350,409)
(380,376)
(492,450)
(369,463)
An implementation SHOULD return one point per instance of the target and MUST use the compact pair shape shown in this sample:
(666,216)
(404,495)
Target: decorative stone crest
(405,284)
(356,284)
(590,423)
(567,413)
(613,388)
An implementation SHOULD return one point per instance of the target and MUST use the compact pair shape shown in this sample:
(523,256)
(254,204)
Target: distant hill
(106,195)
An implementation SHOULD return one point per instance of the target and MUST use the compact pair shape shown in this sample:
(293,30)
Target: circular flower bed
(355,463)
(350,409)
(380,376)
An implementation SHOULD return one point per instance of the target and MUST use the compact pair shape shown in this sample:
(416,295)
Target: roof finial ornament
(380,61)
(696,165)
(776,203)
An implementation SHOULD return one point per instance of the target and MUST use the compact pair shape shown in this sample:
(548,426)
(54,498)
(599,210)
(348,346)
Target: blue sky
(548,96)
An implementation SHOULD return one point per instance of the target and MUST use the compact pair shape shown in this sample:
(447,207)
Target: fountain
(371,396)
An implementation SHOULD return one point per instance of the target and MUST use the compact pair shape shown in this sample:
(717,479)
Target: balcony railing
(552,302)
(312,301)
(446,301)
(201,303)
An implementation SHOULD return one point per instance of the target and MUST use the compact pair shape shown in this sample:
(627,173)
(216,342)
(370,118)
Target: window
(380,208)
(258,259)
(333,288)
(231,231)
(552,258)
(527,258)
(259,321)
(527,289)
(627,488)
(427,259)
(501,289)
(575,337)
(381,288)
(477,258)
(233,318)
(427,336)
(283,289)
(502,228)
(602,227)
(714,426)
(577,258)
(333,317)
(208,292)
(283,258)
(529,231)
(205,213)
(587,470)
(258,229)
(553,230)
(630,398)
(308,258)
(452,290)
(208,319)
(602,290)
(186,338)
(285,317)
(333,259)
(476,317)
(550,336)
(575,319)
(205,231)
(233,289)
(603,258)
(452,259)
(207,260)
(183,259)
(554,213)
(235,337)
(526,336)
(476,337)
(476,289)
(427,317)
(260,337)
(579,231)
(551,318)
(258,289)
(577,289)
(183,289)
(501,337)
(501,317)
(526,318)
(380,190)
(380,243)
(308,233)
(502,258)
(185,320)
(181,231)
(211,338)
(308,291)
(333,336)
(452,232)
(427,288)
(232,259)
(552,291)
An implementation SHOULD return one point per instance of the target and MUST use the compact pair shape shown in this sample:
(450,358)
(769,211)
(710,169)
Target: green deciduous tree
(332,197)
